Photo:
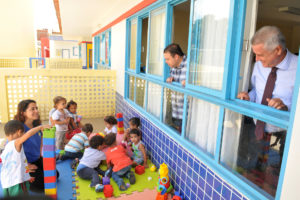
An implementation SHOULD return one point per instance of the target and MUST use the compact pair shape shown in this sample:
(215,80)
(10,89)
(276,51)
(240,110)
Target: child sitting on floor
(15,169)
(116,156)
(110,123)
(78,142)
(139,152)
(88,165)
(61,120)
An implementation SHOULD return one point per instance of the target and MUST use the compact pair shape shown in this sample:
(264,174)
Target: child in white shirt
(110,123)
(15,169)
(61,119)
(88,166)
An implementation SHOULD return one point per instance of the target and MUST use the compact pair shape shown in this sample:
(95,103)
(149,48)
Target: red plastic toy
(108,191)
(139,169)
(162,196)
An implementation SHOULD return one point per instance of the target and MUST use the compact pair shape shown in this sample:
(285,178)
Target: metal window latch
(246,44)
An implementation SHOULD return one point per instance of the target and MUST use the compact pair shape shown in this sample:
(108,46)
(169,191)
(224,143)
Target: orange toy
(162,196)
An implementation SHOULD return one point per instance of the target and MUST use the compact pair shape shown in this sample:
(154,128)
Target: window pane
(102,49)
(107,48)
(131,88)
(258,160)
(157,41)
(173,109)
(133,39)
(202,124)
(154,99)
(209,38)
(140,92)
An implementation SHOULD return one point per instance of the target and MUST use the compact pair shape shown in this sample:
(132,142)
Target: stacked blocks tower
(120,124)
(49,162)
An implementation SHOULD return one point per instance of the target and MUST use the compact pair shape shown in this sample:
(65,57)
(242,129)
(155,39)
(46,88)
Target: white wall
(17,35)
(118,46)
(59,45)
(83,54)
(290,188)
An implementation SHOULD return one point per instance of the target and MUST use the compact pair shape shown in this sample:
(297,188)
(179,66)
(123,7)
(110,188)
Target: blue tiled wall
(188,174)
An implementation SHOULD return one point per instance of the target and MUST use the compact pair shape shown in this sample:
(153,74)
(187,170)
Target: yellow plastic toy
(153,168)
(163,170)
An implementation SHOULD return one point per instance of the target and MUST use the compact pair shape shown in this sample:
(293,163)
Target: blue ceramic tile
(235,197)
(191,161)
(211,171)
(200,193)
(206,197)
(184,156)
(217,185)
(193,196)
(195,177)
(197,166)
(187,191)
(209,179)
(216,196)
(194,186)
(237,193)
(208,190)
(189,172)
(202,172)
(226,193)
(201,183)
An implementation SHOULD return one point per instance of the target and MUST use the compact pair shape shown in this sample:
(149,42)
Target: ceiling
(81,18)
(268,10)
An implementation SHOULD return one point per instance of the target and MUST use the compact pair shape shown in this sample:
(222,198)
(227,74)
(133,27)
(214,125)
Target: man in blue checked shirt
(176,60)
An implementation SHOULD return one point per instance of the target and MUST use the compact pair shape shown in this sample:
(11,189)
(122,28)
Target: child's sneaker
(99,188)
(74,163)
(123,187)
(131,178)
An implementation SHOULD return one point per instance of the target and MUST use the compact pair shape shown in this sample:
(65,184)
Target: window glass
(154,99)
(131,88)
(202,124)
(173,109)
(107,50)
(258,160)
(140,92)
(133,39)
(157,41)
(209,38)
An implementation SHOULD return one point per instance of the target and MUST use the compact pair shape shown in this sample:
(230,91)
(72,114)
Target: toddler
(75,119)
(139,152)
(87,168)
(116,156)
(110,122)
(78,142)
(61,119)
(15,169)
(133,123)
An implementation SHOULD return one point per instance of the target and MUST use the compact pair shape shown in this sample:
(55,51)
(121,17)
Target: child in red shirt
(116,156)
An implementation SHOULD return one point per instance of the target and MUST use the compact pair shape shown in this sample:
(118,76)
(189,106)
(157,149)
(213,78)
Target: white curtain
(209,39)
(157,41)
(154,99)
(231,136)
(210,25)
(133,38)
(202,124)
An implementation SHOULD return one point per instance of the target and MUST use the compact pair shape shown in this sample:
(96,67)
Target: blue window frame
(222,96)
(102,58)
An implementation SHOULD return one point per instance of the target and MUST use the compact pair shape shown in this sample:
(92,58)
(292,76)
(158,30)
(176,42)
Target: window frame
(225,98)
(97,50)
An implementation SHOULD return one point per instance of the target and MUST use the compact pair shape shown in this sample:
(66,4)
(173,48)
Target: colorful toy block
(108,191)
(120,123)
(49,162)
